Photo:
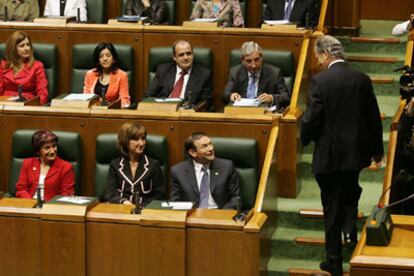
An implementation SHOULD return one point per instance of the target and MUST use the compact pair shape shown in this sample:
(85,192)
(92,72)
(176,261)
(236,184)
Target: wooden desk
(395,259)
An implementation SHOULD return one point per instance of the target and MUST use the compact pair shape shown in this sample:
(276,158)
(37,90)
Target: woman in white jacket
(52,7)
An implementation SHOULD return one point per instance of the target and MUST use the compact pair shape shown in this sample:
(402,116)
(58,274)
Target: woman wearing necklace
(106,79)
(20,71)
(155,10)
(53,175)
(134,170)
(228,12)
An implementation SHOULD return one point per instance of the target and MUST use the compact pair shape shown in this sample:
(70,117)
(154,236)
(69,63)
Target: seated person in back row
(404,27)
(22,10)
(208,181)
(66,8)
(134,170)
(155,10)
(298,11)
(255,79)
(106,79)
(227,12)
(182,79)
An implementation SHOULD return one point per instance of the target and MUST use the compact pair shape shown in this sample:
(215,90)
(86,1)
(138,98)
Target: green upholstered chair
(170,6)
(106,151)
(160,55)
(69,149)
(82,61)
(48,55)
(244,154)
(282,59)
(96,10)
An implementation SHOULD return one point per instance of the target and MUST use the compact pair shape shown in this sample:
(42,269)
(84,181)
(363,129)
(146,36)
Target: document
(277,22)
(178,205)
(205,19)
(74,199)
(247,102)
(79,97)
(168,100)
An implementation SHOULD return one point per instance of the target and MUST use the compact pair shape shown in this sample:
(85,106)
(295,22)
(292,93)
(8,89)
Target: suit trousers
(340,193)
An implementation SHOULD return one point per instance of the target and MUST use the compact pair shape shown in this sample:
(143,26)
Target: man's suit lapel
(280,9)
(244,81)
(192,82)
(191,178)
(263,80)
(170,80)
(215,174)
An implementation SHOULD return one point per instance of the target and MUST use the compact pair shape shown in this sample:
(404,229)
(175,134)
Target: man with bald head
(182,78)
(255,79)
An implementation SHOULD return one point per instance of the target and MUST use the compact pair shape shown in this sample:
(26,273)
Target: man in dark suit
(255,79)
(182,79)
(342,117)
(298,11)
(208,181)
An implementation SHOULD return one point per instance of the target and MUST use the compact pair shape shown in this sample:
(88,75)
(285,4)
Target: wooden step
(310,272)
(382,80)
(391,40)
(310,241)
(373,59)
(315,213)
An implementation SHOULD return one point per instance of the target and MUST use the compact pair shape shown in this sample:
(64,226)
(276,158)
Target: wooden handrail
(269,158)
(322,16)
(410,48)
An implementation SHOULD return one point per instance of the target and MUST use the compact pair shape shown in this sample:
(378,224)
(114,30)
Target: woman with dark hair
(53,175)
(228,12)
(106,79)
(20,71)
(134,170)
(155,10)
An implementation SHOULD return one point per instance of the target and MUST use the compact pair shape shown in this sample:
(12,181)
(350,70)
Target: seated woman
(106,79)
(19,71)
(228,12)
(66,8)
(134,170)
(53,175)
(155,10)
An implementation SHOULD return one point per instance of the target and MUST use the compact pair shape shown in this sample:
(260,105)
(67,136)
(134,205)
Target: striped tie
(288,10)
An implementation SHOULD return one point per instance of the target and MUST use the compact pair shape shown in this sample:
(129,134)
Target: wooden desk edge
(255,224)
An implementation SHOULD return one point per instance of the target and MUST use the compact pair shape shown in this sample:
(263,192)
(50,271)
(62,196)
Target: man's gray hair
(331,45)
(249,47)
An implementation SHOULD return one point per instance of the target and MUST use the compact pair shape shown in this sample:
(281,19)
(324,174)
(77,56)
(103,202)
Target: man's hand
(265,98)
(235,97)
(127,202)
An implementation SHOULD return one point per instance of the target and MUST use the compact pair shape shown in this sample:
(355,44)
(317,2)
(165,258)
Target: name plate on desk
(162,213)
(68,208)
(122,21)
(245,106)
(279,25)
(55,19)
(159,104)
(75,100)
(113,105)
(207,23)
(10,100)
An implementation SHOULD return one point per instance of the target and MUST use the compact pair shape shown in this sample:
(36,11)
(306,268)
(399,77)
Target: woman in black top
(155,10)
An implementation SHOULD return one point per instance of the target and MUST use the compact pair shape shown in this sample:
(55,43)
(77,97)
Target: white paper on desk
(178,205)
(168,100)
(247,102)
(79,97)
(13,98)
(74,199)
(205,19)
(277,22)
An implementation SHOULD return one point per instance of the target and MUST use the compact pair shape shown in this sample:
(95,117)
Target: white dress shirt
(401,28)
(186,77)
(52,7)
(199,175)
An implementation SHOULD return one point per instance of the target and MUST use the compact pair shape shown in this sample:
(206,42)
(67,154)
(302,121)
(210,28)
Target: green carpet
(285,253)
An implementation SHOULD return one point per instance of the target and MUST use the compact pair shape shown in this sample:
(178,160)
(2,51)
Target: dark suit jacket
(342,117)
(157,12)
(271,81)
(224,183)
(199,83)
(148,179)
(275,10)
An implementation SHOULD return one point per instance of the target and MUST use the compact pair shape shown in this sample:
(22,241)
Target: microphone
(239,216)
(307,20)
(104,102)
(138,203)
(189,103)
(20,94)
(6,13)
(39,202)
(405,67)
(78,18)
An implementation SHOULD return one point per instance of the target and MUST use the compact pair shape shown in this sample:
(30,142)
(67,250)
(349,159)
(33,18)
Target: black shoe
(335,270)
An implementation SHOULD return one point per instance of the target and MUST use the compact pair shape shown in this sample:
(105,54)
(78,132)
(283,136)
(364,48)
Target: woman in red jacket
(53,175)
(106,79)
(20,70)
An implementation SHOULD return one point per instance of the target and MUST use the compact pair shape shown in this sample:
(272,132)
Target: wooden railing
(322,16)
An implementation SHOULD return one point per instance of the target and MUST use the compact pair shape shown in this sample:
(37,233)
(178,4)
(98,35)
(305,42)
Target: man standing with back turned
(342,117)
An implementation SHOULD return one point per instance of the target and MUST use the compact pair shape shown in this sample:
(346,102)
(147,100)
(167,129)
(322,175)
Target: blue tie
(251,89)
(288,10)
(204,189)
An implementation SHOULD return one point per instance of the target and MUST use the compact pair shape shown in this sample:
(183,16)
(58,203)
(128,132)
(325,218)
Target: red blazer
(60,179)
(33,79)
(118,86)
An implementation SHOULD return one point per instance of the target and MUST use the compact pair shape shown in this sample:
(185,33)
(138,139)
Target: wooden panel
(343,16)
(131,38)
(119,242)
(63,248)
(386,9)
(379,271)
(20,246)
(216,252)
(162,251)
(113,8)
(13,122)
